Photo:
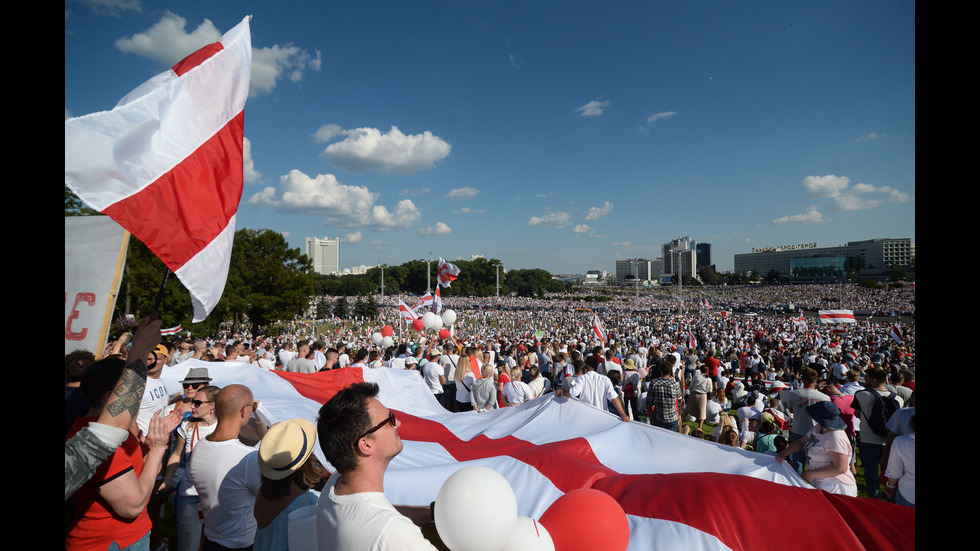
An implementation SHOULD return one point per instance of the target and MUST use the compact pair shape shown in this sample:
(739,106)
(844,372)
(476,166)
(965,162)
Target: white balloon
(469,494)
(376,338)
(436,322)
(529,535)
(428,320)
(387,342)
(449,317)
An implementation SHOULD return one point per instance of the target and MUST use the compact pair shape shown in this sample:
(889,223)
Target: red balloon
(444,334)
(585,520)
(387,331)
(417,324)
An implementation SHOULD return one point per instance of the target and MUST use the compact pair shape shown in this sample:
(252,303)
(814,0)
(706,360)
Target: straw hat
(286,447)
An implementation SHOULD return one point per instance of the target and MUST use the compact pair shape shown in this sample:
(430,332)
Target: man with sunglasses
(359,437)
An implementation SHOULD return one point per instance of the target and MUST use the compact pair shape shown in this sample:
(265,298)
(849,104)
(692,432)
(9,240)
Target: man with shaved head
(221,465)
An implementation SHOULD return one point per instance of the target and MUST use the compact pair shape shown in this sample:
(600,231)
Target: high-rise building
(325,254)
(704,254)
(639,268)
(680,257)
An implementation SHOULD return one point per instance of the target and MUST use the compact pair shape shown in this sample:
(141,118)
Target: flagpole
(163,285)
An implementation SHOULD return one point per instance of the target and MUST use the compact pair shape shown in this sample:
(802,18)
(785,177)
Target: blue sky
(555,135)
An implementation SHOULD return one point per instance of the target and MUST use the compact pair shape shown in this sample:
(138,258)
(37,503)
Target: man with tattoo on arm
(85,451)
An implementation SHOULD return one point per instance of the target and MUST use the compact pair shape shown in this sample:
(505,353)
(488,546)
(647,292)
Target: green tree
(708,275)
(267,281)
(899,273)
(76,207)
(341,309)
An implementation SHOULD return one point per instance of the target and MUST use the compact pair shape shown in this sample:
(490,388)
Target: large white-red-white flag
(166,162)
(447,272)
(549,446)
(598,329)
(837,316)
(437,302)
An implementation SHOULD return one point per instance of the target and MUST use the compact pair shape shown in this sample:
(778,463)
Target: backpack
(881,411)
(629,391)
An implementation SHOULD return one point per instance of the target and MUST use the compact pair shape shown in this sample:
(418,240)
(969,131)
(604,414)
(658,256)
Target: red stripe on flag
(186,208)
(196,58)
(320,387)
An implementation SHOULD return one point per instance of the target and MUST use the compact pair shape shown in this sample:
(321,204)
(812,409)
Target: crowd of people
(818,396)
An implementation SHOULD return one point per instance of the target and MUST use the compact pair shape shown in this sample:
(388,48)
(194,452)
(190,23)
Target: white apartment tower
(325,254)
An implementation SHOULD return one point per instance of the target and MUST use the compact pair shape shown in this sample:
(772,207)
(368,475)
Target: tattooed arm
(124,402)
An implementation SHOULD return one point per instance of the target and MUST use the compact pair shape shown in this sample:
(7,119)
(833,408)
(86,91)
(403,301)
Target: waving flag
(424,300)
(167,162)
(818,340)
(897,335)
(598,329)
(171,330)
(437,302)
(447,272)
(800,322)
(405,312)
(837,316)
(550,446)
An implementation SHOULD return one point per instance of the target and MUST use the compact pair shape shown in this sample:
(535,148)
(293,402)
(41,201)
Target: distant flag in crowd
(897,334)
(692,343)
(424,300)
(818,340)
(173,148)
(598,329)
(788,337)
(800,322)
(437,302)
(837,316)
(447,272)
(405,312)
(171,331)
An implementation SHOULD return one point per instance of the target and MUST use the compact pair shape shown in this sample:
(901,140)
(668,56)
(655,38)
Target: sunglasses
(195,385)
(390,420)
(199,403)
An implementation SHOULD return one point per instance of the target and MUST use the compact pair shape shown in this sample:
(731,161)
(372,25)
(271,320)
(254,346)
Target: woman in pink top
(828,451)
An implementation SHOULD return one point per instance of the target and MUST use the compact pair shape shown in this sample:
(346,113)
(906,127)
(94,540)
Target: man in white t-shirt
(359,437)
(597,390)
(226,474)
(155,395)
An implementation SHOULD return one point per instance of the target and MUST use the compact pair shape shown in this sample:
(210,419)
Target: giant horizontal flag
(550,446)
(837,316)
(166,162)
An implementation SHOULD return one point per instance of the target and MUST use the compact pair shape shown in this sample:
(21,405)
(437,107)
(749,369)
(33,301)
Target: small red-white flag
(897,334)
(598,329)
(167,162)
(437,302)
(423,301)
(447,272)
(171,330)
(405,312)
(818,340)
(837,316)
(799,322)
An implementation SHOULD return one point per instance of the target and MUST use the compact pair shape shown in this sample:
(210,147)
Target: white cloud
(851,198)
(440,229)
(468,210)
(658,116)
(355,237)
(621,244)
(167,42)
(413,192)
(463,193)
(113,7)
(869,137)
(595,213)
(582,228)
(344,206)
(593,108)
(370,149)
(252,176)
(811,217)
(327,132)
(544,195)
(67,114)
(550,219)
(825,186)
(514,63)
